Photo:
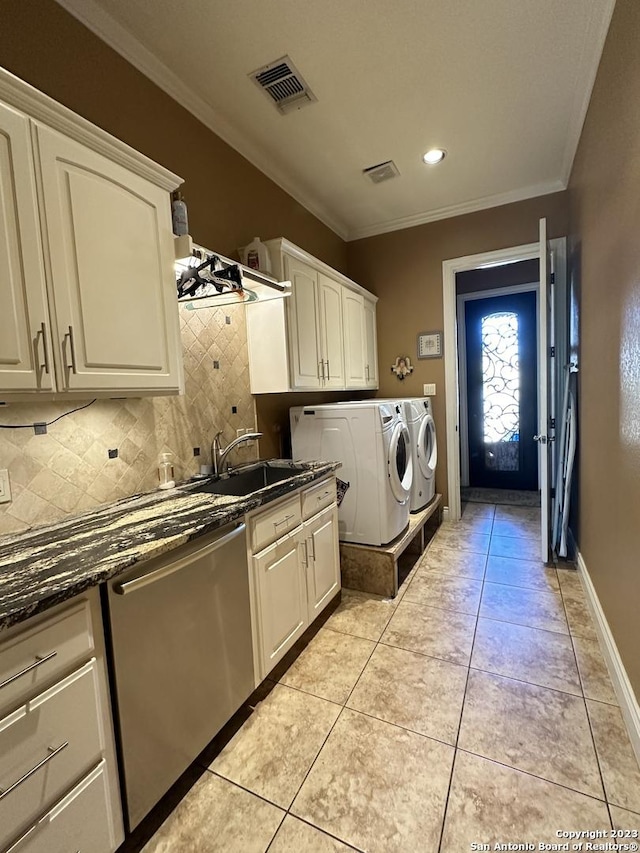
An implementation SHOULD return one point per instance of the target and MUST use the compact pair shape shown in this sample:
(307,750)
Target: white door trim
(461,299)
(449,270)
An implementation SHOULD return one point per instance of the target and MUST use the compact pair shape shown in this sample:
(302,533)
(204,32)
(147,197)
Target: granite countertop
(47,565)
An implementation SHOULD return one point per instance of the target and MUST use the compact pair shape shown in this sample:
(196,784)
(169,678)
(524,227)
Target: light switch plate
(5,487)
(429,389)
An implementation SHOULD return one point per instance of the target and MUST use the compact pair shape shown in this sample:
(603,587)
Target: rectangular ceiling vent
(284,84)
(382,172)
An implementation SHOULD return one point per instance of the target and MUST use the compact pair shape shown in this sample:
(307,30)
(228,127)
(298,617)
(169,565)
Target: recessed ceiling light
(436,155)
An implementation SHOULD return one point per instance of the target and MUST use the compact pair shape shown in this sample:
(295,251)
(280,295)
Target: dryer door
(427,447)
(399,463)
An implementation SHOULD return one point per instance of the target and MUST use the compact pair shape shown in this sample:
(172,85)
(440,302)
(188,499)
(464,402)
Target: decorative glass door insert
(502,390)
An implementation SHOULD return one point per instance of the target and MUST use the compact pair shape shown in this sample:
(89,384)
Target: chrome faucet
(219,454)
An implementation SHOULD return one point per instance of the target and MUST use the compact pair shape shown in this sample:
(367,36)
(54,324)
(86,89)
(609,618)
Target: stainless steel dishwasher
(182,658)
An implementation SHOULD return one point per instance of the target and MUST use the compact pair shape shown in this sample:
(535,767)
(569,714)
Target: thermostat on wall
(430,345)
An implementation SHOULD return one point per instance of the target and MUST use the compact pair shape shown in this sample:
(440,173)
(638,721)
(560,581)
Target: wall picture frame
(429,345)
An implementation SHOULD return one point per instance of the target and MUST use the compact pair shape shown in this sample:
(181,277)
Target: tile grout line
(464,699)
(532,775)
(343,708)
(586,710)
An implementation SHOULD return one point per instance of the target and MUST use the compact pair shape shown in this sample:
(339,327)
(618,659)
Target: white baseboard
(621,684)
(445,513)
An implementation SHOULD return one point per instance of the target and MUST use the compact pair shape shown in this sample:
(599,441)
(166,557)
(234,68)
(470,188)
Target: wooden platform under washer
(381,569)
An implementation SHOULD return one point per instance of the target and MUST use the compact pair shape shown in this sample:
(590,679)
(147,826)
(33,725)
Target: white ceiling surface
(502,85)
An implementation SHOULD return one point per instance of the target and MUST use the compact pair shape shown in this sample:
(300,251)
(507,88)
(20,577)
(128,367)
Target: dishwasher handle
(157,574)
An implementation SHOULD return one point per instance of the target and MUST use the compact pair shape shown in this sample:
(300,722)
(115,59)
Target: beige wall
(404,269)
(229,200)
(604,194)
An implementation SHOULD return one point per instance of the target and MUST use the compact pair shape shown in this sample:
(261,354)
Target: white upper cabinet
(26,362)
(111,253)
(305,342)
(354,338)
(331,337)
(87,291)
(370,344)
(304,326)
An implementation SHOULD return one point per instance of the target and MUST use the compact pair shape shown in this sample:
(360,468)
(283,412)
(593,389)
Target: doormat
(510,497)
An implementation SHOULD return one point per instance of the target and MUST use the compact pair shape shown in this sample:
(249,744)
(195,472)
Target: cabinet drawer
(34,658)
(317,497)
(82,821)
(46,745)
(274,522)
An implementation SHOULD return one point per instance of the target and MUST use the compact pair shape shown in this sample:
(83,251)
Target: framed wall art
(430,345)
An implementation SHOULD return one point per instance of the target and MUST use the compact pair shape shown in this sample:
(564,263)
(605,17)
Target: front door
(502,391)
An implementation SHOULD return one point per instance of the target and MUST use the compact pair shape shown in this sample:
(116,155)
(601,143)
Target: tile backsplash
(69,469)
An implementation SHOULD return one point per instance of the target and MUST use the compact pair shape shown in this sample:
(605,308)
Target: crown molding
(457,210)
(41,107)
(108,30)
(587,71)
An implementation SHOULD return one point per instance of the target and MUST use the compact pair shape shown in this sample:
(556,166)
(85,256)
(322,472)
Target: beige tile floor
(475,708)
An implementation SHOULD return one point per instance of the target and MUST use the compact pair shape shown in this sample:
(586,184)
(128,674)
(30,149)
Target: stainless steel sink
(242,483)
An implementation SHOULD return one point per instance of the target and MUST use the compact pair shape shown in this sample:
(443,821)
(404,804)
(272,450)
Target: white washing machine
(371,440)
(417,413)
(424,450)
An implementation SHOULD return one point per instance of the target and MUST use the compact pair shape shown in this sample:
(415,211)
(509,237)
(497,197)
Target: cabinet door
(111,252)
(306,369)
(353,318)
(331,336)
(25,340)
(282,598)
(323,557)
(370,344)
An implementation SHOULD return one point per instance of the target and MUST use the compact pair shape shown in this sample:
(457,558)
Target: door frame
(461,300)
(450,268)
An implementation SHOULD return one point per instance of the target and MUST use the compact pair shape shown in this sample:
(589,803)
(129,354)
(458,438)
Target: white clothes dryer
(424,450)
(417,413)
(372,442)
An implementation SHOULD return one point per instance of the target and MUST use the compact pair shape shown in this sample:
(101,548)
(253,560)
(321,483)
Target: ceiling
(502,85)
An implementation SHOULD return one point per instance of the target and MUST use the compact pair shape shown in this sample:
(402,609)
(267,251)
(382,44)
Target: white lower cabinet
(297,574)
(282,597)
(323,559)
(82,821)
(58,780)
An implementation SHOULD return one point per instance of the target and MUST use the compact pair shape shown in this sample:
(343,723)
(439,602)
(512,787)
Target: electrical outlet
(429,389)
(5,487)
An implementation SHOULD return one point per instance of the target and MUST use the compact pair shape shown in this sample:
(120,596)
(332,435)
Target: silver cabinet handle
(313,548)
(367,368)
(321,370)
(284,520)
(52,754)
(305,559)
(72,350)
(39,661)
(328,372)
(324,495)
(45,365)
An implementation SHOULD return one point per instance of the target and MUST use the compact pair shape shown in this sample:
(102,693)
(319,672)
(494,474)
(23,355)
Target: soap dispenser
(165,472)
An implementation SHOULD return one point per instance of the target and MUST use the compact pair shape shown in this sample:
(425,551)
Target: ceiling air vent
(284,84)
(382,172)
